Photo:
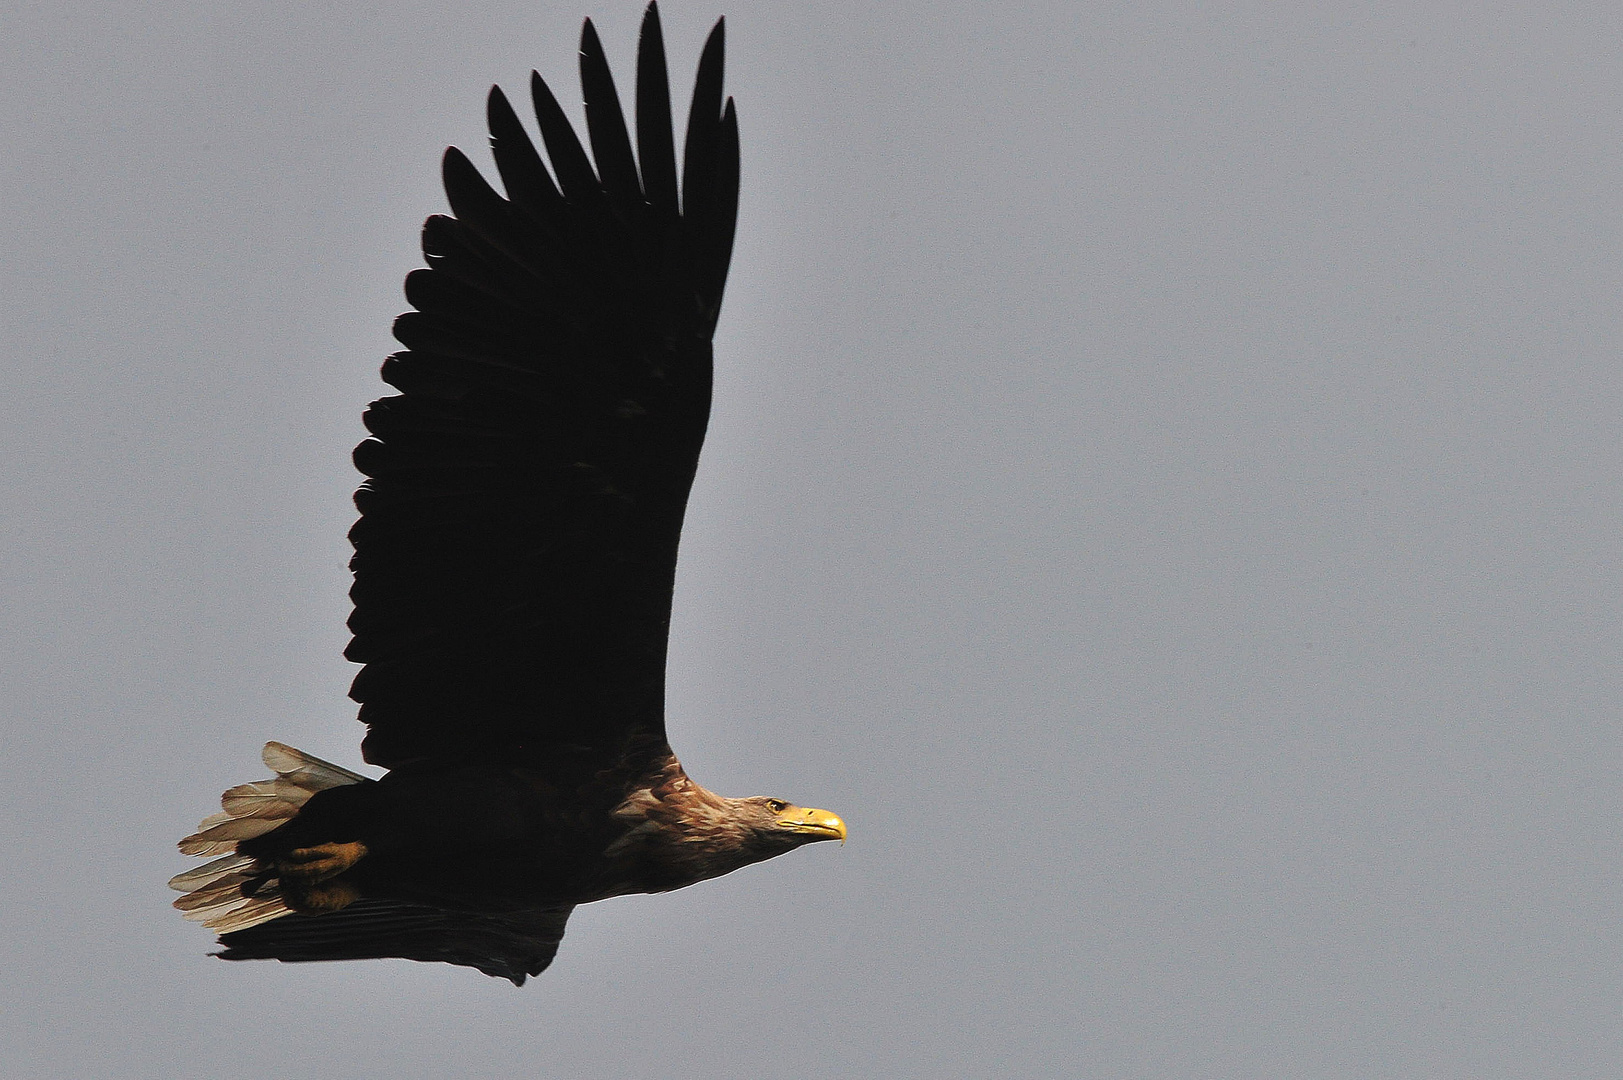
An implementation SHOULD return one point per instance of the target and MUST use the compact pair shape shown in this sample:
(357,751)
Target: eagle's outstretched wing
(516,549)
(510,946)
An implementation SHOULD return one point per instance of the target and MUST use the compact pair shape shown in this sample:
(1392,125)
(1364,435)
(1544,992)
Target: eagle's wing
(516,549)
(509,946)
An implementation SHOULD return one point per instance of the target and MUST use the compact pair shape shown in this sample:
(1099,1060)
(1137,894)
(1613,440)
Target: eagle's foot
(310,865)
(310,877)
(316,899)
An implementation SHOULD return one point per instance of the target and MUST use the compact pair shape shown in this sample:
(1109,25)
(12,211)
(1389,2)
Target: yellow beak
(817,824)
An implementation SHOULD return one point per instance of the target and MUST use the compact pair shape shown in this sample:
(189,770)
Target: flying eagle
(514,563)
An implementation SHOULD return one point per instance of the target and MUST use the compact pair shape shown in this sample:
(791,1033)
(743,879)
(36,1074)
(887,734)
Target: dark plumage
(514,564)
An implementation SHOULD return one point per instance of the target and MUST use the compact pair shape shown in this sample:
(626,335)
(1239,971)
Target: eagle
(515,557)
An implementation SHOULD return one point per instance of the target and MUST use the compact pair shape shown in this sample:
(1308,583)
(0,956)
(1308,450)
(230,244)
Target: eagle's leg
(310,876)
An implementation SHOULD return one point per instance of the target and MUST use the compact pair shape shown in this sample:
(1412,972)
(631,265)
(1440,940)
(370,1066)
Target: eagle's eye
(777,806)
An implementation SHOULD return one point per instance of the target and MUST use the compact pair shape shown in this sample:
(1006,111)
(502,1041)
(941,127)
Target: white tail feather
(198,875)
(260,910)
(205,850)
(227,890)
(213,891)
(312,772)
(234,829)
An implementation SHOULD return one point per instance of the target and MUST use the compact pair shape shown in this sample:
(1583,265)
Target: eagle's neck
(678,832)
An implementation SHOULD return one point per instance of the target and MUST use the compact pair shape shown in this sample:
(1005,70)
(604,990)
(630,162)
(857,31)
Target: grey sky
(1163,492)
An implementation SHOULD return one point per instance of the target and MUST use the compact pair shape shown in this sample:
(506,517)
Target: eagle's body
(514,566)
(474,837)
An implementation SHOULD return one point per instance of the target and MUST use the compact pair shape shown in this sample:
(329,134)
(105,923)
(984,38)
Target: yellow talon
(319,863)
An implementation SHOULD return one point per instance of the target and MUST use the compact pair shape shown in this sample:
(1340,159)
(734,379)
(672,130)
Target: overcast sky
(1163,492)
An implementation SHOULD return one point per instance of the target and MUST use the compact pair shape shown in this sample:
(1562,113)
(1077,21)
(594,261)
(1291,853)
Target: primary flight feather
(514,564)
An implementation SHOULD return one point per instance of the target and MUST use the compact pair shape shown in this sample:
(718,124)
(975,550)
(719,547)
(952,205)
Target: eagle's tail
(238,891)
